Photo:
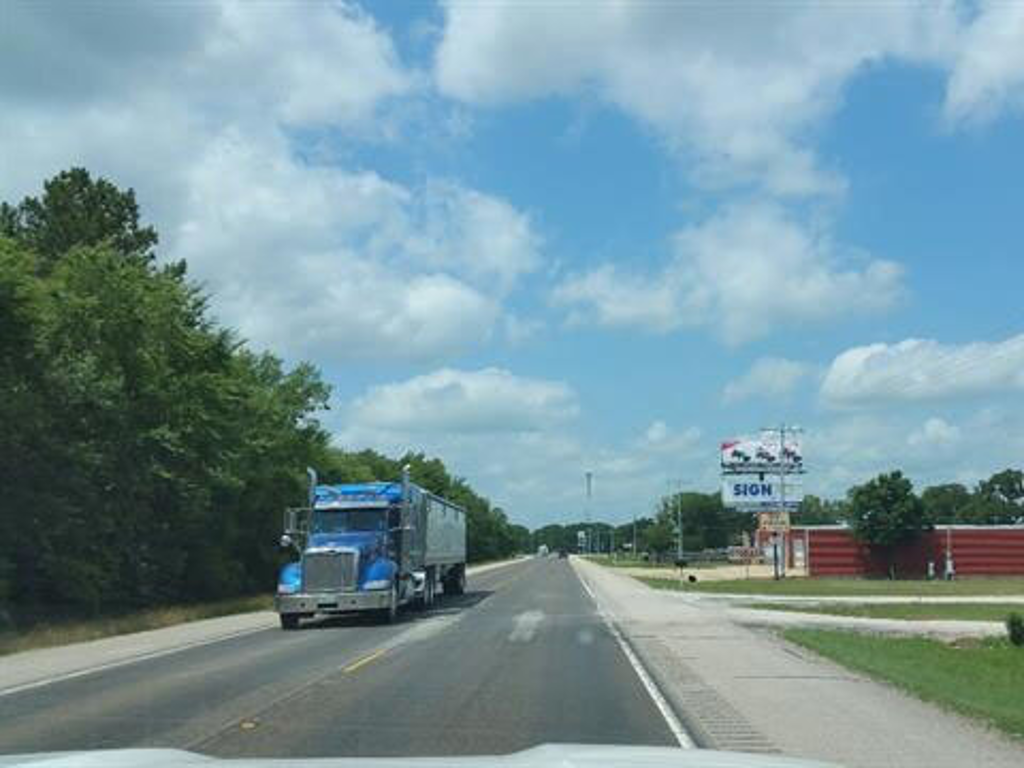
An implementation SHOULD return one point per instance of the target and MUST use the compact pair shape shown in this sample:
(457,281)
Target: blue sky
(536,239)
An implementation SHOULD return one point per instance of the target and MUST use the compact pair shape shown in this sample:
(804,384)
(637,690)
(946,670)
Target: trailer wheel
(430,588)
(289,621)
(455,584)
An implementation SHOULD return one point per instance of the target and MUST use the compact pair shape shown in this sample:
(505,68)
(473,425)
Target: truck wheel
(390,614)
(289,621)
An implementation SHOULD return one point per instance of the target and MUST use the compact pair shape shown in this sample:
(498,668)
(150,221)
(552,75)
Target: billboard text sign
(760,491)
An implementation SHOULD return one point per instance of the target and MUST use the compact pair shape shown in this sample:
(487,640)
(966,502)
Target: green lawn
(982,679)
(46,635)
(848,587)
(919,611)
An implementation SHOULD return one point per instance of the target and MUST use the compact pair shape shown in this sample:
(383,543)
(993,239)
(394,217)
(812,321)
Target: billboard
(761,491)
(762,454)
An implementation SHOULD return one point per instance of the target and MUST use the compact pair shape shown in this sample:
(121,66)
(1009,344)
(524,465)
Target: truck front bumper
(332,602)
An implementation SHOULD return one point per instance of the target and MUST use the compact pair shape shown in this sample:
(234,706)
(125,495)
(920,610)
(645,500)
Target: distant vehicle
(563,552)
(542,550)
(370,547)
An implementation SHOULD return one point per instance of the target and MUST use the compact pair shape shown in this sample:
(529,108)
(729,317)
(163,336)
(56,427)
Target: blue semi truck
(370,547)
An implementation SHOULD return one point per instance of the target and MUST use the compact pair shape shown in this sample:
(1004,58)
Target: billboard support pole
(782,496)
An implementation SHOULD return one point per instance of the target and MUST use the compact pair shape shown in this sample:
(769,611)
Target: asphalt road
(522,659)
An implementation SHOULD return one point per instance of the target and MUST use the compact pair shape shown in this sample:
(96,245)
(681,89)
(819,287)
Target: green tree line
(884,511)
(999,500)
(707,524)
(146,452)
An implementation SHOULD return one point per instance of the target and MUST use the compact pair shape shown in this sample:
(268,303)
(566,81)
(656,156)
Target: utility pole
(634,537)
(589,478)
(679,520)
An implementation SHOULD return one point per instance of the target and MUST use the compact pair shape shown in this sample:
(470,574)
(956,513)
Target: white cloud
(518,330)
(988,67)
(768,377)
(300,63)
(320,63)
(921,369)
(519,442)
(736,87)
(660,439)
(610,297)
(322,261)
(479,236)
(450,401)
(311,258)
(935,433)
(657,432)
(744,272)
(930,449)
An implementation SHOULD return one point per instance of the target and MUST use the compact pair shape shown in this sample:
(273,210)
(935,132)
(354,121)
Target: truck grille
(328,571)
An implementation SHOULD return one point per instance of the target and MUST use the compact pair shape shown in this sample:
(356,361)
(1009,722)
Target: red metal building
(975,550)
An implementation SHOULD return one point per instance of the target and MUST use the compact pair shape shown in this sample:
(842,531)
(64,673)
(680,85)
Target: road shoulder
(746,690)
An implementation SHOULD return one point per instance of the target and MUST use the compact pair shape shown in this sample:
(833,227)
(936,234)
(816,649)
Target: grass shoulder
(909,611)
(49,634)
(983,679)
(814,587)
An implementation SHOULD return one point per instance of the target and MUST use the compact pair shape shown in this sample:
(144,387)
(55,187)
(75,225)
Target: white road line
(648,682)
(125,662)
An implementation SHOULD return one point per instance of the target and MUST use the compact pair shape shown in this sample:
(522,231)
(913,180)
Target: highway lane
(521,659)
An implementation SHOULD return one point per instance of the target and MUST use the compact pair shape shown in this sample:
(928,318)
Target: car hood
(547,756)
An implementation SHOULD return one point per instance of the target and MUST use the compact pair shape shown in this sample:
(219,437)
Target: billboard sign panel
(774,521)
(762,454)
(758,492)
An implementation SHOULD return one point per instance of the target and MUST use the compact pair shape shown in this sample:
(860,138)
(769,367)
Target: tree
(947,503)
(660,537)
(816,511)
(707,524)
(76,210)
(998,500)
(522,539)
(885,513)
(145,452)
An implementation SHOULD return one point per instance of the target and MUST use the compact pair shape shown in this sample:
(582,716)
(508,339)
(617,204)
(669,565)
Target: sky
(543,238)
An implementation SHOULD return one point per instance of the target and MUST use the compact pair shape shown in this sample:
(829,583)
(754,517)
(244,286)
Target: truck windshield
(341,520)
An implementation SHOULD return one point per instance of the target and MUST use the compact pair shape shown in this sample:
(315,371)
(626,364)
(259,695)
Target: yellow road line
(363,661)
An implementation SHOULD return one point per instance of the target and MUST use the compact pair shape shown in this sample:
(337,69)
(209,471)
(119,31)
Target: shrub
(1015,629)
